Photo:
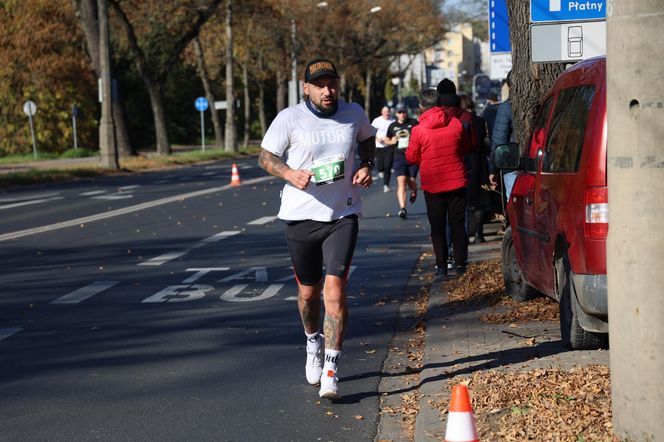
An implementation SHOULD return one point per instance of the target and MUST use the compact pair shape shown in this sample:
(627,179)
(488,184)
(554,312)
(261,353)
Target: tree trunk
(230,135)
(261,108)
(122,128)
(87,12)
(247,105)
(367,94)
(159,114)
(529,81)
(281,90)
(261,100)
(205,79)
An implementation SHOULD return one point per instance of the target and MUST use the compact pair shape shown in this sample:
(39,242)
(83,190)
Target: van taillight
(597,212)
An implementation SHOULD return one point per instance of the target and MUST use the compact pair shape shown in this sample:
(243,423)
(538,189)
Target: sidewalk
(458,344)
(50,164)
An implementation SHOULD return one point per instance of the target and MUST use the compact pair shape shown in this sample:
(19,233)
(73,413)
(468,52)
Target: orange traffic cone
(235,176)
(460,419)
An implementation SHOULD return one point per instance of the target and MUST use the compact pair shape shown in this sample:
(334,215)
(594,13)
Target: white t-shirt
(323,145)
(381,125)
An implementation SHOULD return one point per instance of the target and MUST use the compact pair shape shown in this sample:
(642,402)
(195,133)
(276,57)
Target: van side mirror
(507,157)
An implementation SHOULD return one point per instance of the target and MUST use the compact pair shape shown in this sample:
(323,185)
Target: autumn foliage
(45,58)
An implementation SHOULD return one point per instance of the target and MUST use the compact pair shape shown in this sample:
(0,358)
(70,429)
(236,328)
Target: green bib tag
(328,170)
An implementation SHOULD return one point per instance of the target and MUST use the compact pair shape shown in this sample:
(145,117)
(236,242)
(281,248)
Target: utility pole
(107,145)
(293,86)
(635,252)
(230,143)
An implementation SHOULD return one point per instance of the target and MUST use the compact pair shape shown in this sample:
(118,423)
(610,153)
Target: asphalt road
(161,306)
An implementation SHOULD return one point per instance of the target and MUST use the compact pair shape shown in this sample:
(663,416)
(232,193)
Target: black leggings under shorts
(312,243)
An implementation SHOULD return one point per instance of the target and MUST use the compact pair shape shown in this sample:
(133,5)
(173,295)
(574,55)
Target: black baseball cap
(319,67)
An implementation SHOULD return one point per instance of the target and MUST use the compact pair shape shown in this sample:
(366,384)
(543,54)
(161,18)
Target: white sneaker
(328,386)
(314,366)
(386,188)
(380,175)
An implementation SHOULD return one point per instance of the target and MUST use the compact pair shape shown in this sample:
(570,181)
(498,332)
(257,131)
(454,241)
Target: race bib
(403,136)
(328,170)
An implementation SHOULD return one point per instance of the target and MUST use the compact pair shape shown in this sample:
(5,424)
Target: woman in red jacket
(438,145)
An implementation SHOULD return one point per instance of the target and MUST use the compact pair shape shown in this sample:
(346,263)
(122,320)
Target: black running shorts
(312,243)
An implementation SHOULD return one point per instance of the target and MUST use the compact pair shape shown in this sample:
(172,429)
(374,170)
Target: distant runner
(312,146)
(398,134)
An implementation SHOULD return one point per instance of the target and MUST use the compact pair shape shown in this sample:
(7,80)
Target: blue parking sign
(567,10)
(201,104)
(499,31)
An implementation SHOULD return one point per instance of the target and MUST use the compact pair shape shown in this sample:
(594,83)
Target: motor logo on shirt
(325,136)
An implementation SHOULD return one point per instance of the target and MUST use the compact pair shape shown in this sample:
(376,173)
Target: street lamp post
(293,87)
(397,91)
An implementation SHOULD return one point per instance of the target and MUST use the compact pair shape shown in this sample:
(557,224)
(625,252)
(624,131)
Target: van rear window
(567,129)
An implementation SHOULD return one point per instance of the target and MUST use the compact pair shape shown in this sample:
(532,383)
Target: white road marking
(179,293)
(85,292)
(31,197)
(115,196)
(263,220)
(221,235)
(209,173)
(93,193)
(202,272)
(125,210)
(161,259)
(31,202)
(131,187)
(260,274)
(7,332)
(232,293)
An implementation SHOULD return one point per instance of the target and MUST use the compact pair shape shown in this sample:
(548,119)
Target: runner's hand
(363,177)
(299,178)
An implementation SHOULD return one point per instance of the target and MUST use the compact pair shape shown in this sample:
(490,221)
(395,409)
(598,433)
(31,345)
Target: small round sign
(29,108)
(201,104)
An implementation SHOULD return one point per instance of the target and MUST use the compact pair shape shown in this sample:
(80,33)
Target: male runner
(312,146)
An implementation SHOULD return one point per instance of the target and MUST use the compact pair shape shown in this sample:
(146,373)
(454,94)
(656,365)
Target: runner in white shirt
(312,146)
(384,152)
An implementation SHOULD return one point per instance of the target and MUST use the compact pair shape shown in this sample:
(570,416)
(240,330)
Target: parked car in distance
(558,208)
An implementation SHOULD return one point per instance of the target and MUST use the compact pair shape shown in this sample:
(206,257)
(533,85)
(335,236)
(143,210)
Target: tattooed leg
(336,312)
(308,302)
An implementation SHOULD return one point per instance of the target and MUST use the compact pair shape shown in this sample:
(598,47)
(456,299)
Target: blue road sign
(499,31)
(201,104)
(567,10)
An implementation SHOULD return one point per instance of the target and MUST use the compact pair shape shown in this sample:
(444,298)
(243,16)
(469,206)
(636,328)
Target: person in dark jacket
(489,113)
(479,199)
(438,145)
(503,132)
(489,116)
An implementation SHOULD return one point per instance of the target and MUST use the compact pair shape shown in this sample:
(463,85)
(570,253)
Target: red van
(558,207)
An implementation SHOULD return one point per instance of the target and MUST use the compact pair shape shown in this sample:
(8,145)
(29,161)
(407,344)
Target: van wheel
(516,287)
(571,332)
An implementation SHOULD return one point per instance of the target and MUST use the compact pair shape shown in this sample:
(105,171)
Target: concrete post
(107,146)
(635,245)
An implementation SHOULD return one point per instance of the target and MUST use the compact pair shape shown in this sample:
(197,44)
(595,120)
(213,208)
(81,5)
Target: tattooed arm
(275,166)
